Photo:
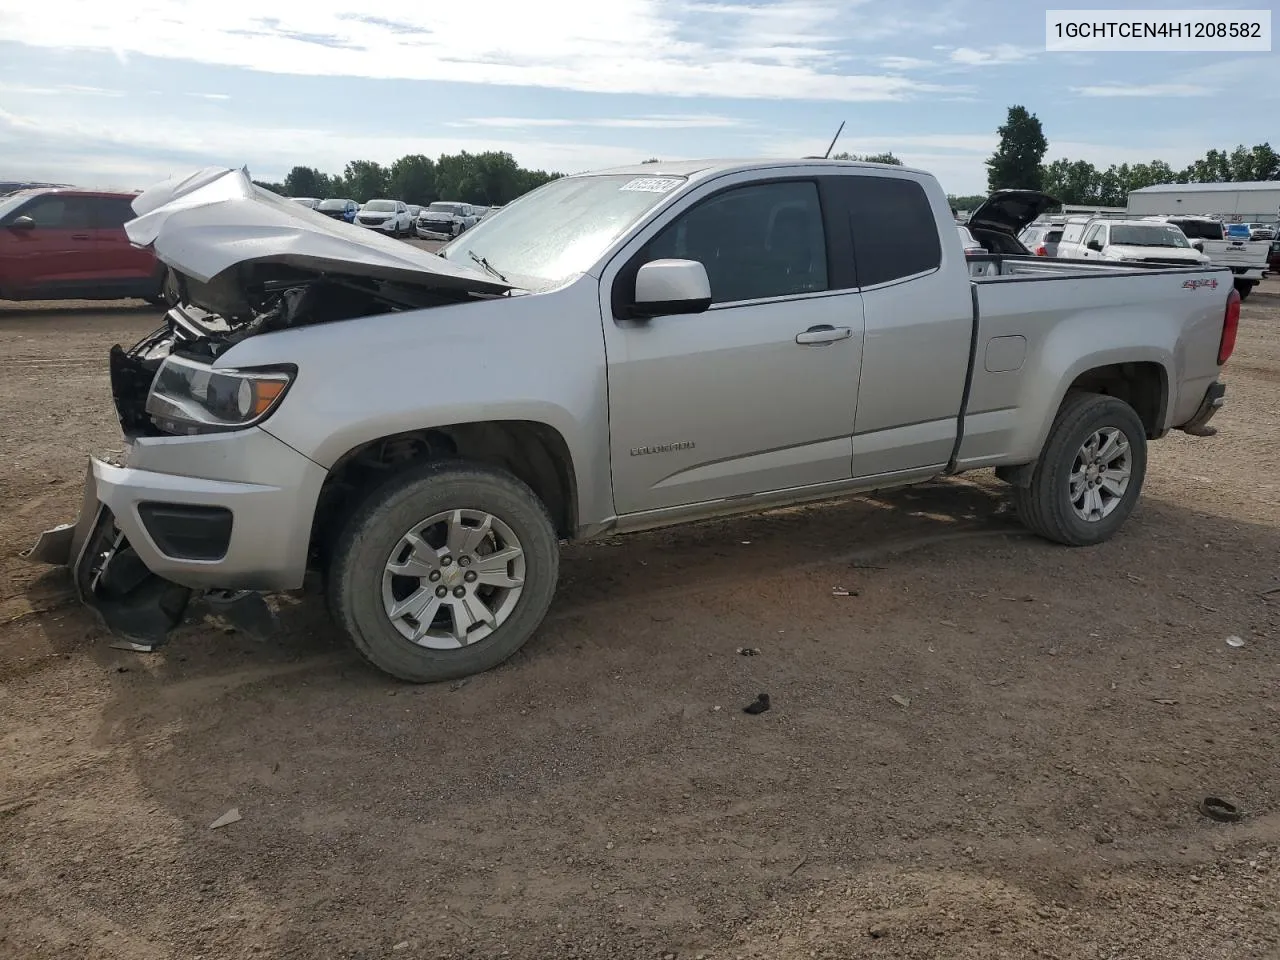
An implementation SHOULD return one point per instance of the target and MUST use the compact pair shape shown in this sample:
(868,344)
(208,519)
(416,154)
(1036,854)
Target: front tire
(444,571)
(1090,473)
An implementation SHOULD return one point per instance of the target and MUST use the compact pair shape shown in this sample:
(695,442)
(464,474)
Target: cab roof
(702,169)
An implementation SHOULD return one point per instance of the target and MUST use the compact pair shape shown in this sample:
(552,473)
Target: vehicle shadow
(598,580)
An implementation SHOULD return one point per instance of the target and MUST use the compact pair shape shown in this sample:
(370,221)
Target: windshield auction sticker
(652,184)
(1172,31)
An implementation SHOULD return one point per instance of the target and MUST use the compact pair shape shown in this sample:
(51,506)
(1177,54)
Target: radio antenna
(827,155)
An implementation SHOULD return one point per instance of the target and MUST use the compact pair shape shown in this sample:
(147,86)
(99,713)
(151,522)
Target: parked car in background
(389,216)
(1236,231)
(414,210)
(339,209)
(1247,259)
(66,244)
(490,211)
(270,427)
(309,202)
(1128,241)
(446,218)
(1273,256)
(1262,231)
(1042,238)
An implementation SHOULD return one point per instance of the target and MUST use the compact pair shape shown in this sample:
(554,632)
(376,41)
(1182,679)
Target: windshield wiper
(487,265)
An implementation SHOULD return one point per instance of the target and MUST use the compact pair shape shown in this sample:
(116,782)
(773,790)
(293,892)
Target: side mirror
(1198,244)
(1094,245)
(665,287)
(22,223)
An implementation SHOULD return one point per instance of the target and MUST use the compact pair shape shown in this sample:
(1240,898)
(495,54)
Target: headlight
(189,397)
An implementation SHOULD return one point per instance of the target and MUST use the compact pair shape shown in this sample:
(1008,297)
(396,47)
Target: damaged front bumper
(212,516)
(146,543)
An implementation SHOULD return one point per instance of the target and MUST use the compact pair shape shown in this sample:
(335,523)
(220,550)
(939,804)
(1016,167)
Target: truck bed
(1028,340)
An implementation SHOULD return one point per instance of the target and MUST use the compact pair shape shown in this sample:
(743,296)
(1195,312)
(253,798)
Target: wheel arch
(536,453)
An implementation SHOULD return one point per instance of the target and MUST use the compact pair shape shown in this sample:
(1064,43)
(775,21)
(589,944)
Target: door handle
(81,236)
(824,333)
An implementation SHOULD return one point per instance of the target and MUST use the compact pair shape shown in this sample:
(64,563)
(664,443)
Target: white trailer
(1253,202)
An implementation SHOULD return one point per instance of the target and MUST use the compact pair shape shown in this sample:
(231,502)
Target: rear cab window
(892,226)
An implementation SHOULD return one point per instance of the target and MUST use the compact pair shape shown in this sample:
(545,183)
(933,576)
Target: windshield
(380,206)
(1133,235)
(1200,229)
(333,204)
(560,230)
(444,207)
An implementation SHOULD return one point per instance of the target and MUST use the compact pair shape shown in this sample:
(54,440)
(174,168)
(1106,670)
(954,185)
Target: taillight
(1041,251)
(1230,325)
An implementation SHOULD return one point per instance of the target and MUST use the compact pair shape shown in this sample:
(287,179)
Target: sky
(122,95)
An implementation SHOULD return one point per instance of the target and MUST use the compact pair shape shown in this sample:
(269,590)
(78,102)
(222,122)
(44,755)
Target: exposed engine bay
(210,318)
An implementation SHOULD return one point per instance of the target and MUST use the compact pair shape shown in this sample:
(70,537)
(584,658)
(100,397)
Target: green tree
(273,187)
(413,179)
(365,180)
(1071,181)
(307,182)
(868,157)
(970,202)
(1016,162)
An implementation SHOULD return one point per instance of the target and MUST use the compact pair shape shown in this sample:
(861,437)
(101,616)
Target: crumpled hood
(211,221)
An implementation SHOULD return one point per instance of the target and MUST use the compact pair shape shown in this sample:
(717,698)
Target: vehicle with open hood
(999,220)
(421,430)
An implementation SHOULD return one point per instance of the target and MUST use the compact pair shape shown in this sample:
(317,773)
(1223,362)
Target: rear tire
(364,592)
(1072,499)
(1244,288)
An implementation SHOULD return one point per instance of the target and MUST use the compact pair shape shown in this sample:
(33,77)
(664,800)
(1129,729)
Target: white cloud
(101,153)
(904,63)
(787,49)
(61,90)
(211,96)
(652,122)
(992,56)
(1143,90)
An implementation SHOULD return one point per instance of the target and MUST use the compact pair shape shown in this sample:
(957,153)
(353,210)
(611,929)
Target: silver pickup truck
(611,352)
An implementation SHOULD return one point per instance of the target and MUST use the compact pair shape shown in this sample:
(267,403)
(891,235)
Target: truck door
(1095,241)
(919,323)
(757,393)
(55,252)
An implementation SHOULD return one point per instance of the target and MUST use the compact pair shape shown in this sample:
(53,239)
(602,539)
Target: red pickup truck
(63,244)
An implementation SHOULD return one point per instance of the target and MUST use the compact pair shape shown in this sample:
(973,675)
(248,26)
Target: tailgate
(1236,253)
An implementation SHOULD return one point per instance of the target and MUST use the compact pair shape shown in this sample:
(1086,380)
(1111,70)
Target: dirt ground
(991,748)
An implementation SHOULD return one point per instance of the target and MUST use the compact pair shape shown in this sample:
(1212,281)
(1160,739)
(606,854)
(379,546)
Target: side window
(62,213)
(762,240)
(110,213)
(1095,233)
(895,233)
(1071,233)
